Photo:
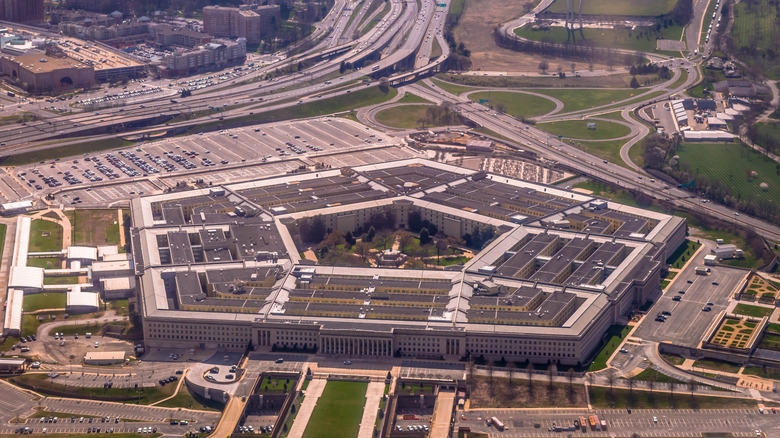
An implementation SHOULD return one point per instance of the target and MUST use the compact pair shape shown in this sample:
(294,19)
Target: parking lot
(216,157)
(667,423)
(687,322)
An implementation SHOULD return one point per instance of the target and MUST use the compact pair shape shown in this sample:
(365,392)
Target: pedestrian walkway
(374,395)
(313,393)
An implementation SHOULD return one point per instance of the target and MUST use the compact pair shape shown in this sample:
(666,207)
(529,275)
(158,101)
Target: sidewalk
(374,395)
(313,393)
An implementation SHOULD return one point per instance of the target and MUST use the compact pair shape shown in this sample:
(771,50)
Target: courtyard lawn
(94,227)
(731,163)
(338,411)
(45,262)
(578,129)
(575,100)
(49,300)
(45,236)
(754,311)
(518,105)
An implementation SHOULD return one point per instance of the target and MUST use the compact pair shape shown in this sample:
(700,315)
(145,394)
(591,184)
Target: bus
(597,422)
(497,423)
(583,424)
(591,422)
(603,424)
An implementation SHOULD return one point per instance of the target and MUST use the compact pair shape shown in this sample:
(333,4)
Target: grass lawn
(730,163)
(45,236)
(64,151)
(606,150)
(190,400)
(518,105)
(614,337)
(754,311)
(3,229)
(45,262)
(766,372)
(94,227)
(413,98)
(620,398)
(338,411)
(770,341)
(682,253)
(452,88)
(642,39)
(718,365)
(619,7)
(48,300)
(673,359)
(749,260)
(70,279)
(93,327)
(604,191)
(755,30)
(403,116)
(358,98)
(575,100)
(578,129)
(652,374)
(149,395)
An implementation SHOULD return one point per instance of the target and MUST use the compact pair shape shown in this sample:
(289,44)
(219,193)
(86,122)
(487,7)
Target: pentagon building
(219,267)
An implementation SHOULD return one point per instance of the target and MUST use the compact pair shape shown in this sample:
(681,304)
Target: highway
(527,136)
(403,33)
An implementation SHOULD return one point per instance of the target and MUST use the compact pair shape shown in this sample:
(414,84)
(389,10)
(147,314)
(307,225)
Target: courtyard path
(313,393)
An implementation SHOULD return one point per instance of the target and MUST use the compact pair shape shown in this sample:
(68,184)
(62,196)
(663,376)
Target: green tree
(634,82)
(425,236)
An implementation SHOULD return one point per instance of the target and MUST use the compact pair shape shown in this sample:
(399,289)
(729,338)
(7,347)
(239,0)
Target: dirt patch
(475,30)
(519,394)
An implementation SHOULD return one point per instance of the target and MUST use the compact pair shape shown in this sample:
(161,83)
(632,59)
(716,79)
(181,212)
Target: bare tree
(611,376)
(511,371)
(405,239)
(691,386)
(543,66)
(631,382)
(530,370)
(551,372)
(570,376)
(573,67)
(491,386)
(651,382)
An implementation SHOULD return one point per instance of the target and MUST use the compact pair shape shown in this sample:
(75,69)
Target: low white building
(117,287)
(84,254)
(104,357)
(26,278)
(12,325)
(724,252)
(79,301)
(13,208)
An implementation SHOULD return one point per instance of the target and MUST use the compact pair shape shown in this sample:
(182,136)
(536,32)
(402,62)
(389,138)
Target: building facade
(243,22)
(22,11)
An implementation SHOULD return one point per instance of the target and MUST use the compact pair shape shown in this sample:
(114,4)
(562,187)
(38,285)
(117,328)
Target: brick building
(247,22)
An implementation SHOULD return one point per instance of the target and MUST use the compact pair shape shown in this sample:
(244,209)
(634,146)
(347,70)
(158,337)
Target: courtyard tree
(405,239)
(425,236)
(543,66)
